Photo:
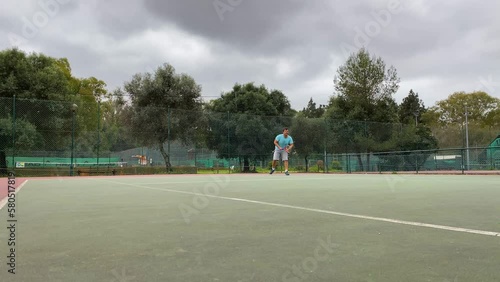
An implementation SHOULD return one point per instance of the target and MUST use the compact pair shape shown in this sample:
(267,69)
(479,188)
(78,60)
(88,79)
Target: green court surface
(257,228)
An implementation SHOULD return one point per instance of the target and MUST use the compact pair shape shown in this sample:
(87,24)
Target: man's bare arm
(277,144)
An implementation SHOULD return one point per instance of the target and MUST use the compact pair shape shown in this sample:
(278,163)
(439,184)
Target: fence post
(13,131)
(98,131)
(379,165)
(348,163)
(416,162)
(463,164)
(228,145)
(73,116)
(325,164)
(168,142)
(195,159)
(435,160)
(490,153)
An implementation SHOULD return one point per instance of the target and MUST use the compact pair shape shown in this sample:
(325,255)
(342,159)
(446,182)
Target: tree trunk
(361,162)
(3,163)
(246,164)
(166,157)
(307,164)
(419,162)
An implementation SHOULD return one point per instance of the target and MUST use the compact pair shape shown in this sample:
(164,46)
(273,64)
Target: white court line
(3,202)
(412,223)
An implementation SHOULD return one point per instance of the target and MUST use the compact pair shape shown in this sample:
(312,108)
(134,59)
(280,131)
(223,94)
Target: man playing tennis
(283,145)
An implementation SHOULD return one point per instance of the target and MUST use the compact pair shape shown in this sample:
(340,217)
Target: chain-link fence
(41,137)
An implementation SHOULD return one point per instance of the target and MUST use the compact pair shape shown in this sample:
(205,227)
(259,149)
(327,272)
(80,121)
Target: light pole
(415,113)
(467,133)
(98,129)
(74,107)
(195,147)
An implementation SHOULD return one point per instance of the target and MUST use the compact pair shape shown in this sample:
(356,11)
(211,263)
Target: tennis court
(258,227)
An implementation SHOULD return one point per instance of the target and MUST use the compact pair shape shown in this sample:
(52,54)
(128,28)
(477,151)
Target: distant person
(283,145)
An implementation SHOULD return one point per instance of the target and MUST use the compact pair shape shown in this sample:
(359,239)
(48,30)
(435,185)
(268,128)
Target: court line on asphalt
(382,219)
(4,201)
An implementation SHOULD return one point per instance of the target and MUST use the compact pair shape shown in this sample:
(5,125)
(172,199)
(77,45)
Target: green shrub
(300,168)
(336,165)
(320,165)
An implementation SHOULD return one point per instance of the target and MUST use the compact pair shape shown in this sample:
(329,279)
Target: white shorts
(280,153)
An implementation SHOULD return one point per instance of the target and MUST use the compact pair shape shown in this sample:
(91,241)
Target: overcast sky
(438,47)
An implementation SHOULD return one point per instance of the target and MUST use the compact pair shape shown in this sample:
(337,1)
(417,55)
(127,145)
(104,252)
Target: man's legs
(285,160)
(273,167)
(276,157)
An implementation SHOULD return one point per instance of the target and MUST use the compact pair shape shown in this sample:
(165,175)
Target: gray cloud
(292,45)
(247,24)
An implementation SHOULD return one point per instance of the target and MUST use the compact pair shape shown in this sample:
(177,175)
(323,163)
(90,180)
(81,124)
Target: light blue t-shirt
(284,141)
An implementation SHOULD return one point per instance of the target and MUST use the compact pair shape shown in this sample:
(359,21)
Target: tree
(364,106)
(153,100)
(411,109)
(447,119)
(414,144)
(45,91)
(91,95)
(116,116)
(33,76)
(415,135)
(479,105)
(310,134)
(43,95)
(27,138)
(249,117)
(311,111)
(365,80)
